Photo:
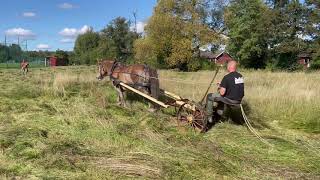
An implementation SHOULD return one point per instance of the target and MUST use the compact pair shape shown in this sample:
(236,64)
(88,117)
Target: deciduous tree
(247,22)
(176,30)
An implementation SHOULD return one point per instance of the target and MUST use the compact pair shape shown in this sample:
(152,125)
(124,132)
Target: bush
(194,65)
(315,64)
(207,65)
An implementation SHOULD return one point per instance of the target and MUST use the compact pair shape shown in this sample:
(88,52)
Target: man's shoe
(210,119)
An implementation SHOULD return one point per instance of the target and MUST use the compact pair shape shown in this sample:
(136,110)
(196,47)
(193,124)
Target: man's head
(232,66)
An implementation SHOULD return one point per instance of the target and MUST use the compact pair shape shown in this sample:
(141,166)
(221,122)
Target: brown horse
(24,67)
(138,76)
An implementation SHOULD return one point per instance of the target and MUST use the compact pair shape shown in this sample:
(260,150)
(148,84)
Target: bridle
(109,72)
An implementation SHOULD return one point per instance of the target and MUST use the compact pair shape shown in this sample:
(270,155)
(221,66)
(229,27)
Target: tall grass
(64,124)
(291,99)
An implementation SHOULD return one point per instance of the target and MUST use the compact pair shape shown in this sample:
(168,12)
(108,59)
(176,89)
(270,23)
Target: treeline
(115,41)
(259,34)
(10,53)
(14,54)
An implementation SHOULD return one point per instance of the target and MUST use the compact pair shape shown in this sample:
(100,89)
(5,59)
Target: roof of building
(304,55)
(210,55)
(207,54)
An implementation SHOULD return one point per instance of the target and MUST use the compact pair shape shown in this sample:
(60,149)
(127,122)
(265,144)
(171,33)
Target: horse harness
(113,67)
(116,81)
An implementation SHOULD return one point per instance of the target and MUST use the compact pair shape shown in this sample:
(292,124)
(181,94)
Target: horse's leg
(151,106)
(123,99)
(119,97)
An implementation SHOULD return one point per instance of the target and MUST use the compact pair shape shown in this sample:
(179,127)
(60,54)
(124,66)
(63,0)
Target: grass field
(64,124)
(17,65)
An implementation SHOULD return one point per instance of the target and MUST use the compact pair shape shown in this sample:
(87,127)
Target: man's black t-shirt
(234,84)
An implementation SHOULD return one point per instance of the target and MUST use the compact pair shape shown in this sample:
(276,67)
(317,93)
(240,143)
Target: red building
(304,59)
(223,58)
(220,58)
(55,61)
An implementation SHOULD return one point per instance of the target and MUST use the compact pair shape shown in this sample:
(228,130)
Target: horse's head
(104,68)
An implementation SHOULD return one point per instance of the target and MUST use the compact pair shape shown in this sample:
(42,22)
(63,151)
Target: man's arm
(222,91)
(223,86)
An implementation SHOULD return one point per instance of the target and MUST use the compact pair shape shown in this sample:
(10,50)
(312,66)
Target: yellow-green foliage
(64,124)
(175,30)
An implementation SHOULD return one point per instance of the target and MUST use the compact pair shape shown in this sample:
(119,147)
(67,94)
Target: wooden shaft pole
(144,95)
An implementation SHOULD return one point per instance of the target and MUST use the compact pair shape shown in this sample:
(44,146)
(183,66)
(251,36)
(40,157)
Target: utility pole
(5,40)
(135,20)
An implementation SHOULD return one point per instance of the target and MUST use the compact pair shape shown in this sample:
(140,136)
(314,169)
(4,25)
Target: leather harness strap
(136,85)
(113,67)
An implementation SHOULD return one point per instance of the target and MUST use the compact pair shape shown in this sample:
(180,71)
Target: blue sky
(53,24)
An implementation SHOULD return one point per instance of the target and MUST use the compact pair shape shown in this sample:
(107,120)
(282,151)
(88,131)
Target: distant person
(24,67)
(230,91)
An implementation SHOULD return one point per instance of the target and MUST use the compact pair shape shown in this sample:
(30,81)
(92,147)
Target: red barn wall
(224,58)
(53,61)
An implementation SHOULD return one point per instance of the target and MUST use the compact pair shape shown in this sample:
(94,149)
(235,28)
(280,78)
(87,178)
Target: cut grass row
(62,123)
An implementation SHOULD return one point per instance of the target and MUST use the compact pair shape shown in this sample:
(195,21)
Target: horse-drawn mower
(188,111)
(137,77)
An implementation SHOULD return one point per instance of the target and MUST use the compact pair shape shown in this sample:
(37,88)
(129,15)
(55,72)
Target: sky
(54,24)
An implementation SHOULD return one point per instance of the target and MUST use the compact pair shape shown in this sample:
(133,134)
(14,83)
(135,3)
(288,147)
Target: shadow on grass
(233,114)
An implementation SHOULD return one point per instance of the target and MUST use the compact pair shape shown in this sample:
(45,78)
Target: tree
(247,22)
(64,55)
(118,39)
(313,29)
(15,52)
(176,31)
(4,53)
(85,47)
(288,33)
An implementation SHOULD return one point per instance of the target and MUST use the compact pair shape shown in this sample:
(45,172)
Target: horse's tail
(154,83)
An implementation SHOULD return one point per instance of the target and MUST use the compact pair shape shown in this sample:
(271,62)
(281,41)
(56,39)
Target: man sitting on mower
(230,91)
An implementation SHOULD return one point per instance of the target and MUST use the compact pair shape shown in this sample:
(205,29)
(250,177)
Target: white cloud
(84,29)
(66,6)
(67,40)
(73,32)
(70,34)
(23,33)
(29,14)
(43,47)
(140,27)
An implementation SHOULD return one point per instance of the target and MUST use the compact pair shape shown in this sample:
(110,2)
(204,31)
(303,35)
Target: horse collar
(114,65)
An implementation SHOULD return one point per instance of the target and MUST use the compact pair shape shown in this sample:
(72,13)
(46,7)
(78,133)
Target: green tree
(247,22)
(313,28)
(4,53)
(288,33)
(15,52)
(175,32)
(64,55)
(117,39)
(85,48)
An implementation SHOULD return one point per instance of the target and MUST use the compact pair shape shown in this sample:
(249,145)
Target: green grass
(17,65)
(63,124)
